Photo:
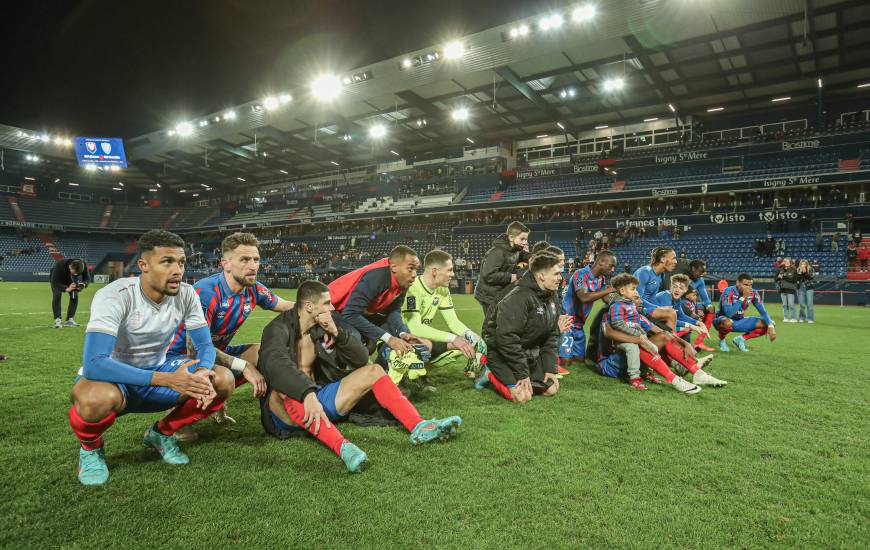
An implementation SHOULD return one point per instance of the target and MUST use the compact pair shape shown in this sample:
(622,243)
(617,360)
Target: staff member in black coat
(70,275)
(499,267)
(522,335)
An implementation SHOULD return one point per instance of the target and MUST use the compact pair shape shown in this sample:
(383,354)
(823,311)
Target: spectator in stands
(817,267)
(769,245)
(758,247)
(806,285)
(857,237)
(683,254)
(820,242)
(71,276)
(780,247)
(787,282)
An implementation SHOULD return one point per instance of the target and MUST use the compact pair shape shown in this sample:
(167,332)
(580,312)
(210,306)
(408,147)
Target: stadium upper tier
(838,159)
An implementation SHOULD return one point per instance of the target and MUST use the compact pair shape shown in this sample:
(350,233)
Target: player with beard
(227,299)
(125,368)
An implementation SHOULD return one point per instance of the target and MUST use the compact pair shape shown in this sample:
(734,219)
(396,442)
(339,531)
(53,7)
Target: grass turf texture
(779,458)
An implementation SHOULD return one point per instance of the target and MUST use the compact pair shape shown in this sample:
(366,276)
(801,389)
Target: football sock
(500,388)
(675,351)
(655,363)
(755,333)
(723,332)
(328,434)
(186,414)
(90,434)
(390,397)
(708,322)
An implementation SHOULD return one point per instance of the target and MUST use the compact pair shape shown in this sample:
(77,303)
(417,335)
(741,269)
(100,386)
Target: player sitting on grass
(318,372)
(522,335)
(585,286)
(227,299)
(624,323)
(125,368)
(695,270)
(731,316)
(429,297)
(675,298)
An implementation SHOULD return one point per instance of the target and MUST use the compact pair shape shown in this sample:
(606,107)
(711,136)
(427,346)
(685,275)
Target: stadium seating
(729,255)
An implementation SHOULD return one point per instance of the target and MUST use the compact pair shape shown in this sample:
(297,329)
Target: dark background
(128,67)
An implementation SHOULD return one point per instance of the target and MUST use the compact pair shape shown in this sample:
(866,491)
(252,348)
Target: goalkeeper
(428,297)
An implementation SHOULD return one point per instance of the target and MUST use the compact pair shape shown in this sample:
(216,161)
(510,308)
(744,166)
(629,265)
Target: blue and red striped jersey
(732,306)
(582,280)
(225,311)
(627,313)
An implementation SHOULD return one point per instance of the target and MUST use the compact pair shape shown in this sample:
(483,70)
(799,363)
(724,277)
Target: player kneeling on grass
(227,299)
(731,316)
(428,297)
(625,324)
(317,373)
(125,368)
(522,335)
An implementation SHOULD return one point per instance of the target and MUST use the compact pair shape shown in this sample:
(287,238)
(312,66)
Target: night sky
(127,67)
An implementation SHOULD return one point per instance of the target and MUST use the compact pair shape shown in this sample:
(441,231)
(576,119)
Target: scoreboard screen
(99,152)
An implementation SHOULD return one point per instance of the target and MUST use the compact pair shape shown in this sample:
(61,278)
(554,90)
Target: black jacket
(526,320)
(498,265)
(787,279)
(277,361)
(807,279)
(60,275)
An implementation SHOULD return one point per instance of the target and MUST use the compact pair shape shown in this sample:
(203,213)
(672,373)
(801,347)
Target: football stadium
(454,274)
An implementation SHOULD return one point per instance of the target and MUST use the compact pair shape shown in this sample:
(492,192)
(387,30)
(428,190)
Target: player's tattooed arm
(221,358)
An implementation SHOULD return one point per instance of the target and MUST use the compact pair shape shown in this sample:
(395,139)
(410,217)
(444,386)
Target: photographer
(787,282)
(70,275)
(806,285)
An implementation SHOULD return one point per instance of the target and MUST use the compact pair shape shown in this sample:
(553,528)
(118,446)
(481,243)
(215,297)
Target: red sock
(675,352)
(683,332)
(90,434)
(186,414)
(708,322)
(390,397)
(723,332)
(655,363)
(500,388)
(755,333)
(328,435)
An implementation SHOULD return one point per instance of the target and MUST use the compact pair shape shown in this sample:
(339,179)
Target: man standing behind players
(125,368)
(499,266)
(586,286)
(428,297)
(227,298)
(71,276)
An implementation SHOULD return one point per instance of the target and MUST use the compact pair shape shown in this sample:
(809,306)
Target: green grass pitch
(778,458)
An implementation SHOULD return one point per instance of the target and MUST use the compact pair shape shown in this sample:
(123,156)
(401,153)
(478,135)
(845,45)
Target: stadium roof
(518,80)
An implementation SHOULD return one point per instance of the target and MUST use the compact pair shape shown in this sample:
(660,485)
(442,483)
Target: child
(625,324)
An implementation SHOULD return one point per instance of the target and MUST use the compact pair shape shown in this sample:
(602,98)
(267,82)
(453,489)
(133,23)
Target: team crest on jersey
(412,302)
(247,308)
(225,305)
(135,320)
(435,301)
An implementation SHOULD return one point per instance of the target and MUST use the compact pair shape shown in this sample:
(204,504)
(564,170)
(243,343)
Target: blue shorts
(573,344)
(326,395)
(146,399)
(237,351)
(613,365)
(747,324)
